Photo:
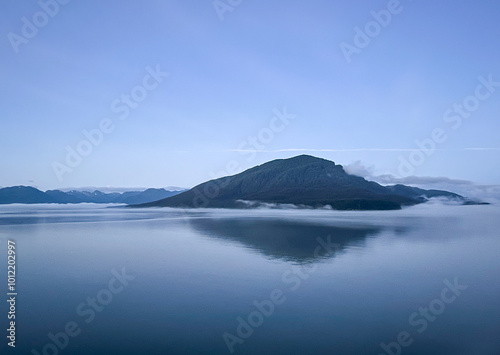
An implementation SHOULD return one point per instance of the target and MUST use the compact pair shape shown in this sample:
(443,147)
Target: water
(255,282)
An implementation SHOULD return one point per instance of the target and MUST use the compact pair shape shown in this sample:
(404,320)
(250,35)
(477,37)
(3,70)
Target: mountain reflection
(285,239)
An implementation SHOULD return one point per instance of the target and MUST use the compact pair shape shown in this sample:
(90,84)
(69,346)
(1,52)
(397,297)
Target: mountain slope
(421,194)
(302,180)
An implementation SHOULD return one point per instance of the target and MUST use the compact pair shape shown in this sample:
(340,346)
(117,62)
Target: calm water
(256,282)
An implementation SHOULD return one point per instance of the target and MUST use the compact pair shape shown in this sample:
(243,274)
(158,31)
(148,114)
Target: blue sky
(228,78)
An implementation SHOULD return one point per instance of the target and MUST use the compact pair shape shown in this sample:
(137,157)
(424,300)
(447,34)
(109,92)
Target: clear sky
(364,81)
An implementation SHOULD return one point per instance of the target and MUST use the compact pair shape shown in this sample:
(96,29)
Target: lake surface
(96,280)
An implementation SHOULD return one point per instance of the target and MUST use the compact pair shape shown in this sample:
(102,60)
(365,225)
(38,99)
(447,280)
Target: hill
(302,180)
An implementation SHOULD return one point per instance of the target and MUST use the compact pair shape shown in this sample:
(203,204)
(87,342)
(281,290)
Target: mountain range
(27,194)
(303,180)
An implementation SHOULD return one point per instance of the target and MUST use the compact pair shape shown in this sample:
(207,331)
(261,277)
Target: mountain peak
(302,160)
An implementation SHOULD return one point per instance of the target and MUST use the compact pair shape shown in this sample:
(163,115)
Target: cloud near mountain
(489,193)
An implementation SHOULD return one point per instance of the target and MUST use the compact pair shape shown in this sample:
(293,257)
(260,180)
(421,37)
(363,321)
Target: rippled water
(423,280)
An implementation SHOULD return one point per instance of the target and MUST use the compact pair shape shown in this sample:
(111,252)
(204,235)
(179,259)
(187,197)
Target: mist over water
(256,281)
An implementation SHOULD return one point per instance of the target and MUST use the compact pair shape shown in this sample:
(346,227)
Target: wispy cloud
(470,189)
(337,150)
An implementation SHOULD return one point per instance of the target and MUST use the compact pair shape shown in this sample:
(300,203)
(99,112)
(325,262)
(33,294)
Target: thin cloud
(419,180)
(339,150)
(470,189)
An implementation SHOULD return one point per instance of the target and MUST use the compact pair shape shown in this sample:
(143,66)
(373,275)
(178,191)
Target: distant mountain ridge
(30,195)
(301,180)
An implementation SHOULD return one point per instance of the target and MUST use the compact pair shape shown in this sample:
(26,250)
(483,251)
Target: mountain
(145,196)
(421,194)
(301,180)
(22,194)
(27,194)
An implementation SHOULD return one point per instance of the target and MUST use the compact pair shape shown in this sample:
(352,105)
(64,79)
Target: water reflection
(283,239)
